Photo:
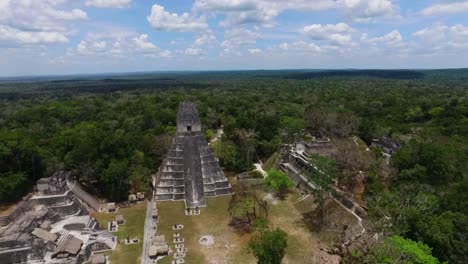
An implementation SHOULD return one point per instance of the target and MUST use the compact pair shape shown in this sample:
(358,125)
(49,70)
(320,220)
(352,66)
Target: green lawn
(133,227)
(213,220)
(229,245)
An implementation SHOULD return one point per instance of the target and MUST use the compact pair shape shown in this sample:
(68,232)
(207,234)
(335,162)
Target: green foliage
(321,174)
(209,135)
(432,163)
(140,176)
(95,126)
(228,154)
(446,234)
(399,250)
(279,182)
(247,207)
(269,246)
(9,185)
(115,179)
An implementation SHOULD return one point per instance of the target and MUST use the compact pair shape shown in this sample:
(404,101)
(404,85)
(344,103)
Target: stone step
(64,233)
(4,220)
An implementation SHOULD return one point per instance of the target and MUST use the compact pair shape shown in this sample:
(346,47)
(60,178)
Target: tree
(279,182)
(351,161)
(228,154)
(269,246)
(10,183)
(246,206)
(139,178)
(446,234)
(115,179)
(398,250)
(321,174)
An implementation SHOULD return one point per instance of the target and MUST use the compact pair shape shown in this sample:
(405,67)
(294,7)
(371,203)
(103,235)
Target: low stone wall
(15,255)
(52,200)
(252,182)
(69,209)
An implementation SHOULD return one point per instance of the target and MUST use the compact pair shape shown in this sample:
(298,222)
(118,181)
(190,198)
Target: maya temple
(190,171)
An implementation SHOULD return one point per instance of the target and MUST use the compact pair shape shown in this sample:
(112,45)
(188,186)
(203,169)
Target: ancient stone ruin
(53,225)
(190,171)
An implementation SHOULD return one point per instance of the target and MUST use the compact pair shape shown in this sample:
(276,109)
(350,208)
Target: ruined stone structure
(389,145)
(296,158)
(190,171)
(53,225)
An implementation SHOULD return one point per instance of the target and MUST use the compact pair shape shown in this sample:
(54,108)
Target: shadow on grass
(312,221)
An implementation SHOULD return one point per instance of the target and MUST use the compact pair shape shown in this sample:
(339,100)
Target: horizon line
(126,73)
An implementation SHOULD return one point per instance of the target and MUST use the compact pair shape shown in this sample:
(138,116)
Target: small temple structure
(190,171)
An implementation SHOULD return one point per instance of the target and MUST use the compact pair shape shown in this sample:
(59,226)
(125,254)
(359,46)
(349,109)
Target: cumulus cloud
(250,11)
(193,51)
(45,15)
(368,10)
(109,3)
(205,39)
(36,22)
(142,43)
(118,45)
(160,19)
(446,8)
(237,38)
(338,34)
(392,39)
(254,51)
(307,47)
(284,46)
(443,38)
(265,11)
(303,47)
(30,37)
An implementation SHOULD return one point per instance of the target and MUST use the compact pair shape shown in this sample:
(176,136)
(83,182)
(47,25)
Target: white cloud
(452,7)
(30,37)
(142,43)
(434,33)
(237,38)
(368,10)
(304,47)
(338,34)
(37,22)
(160,19)
(193,51)
(100,45)
(45,15)
(392,39)
(443,38)
(284,46)
(254,51)
(118,45)
(109,3)
(205,39)
(265,11)
(255,11)
(307,47)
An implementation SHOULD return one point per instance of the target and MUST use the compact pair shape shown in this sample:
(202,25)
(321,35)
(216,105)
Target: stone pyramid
(190,171)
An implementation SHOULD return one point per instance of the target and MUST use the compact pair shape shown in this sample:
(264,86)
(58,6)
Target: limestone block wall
(18,255)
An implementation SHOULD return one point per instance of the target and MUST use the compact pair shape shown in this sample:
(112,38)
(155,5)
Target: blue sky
(43,37)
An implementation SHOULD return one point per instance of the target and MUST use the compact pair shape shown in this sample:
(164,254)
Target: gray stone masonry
(190,171)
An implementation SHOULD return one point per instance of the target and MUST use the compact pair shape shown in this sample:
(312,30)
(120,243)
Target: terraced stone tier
(191,171)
